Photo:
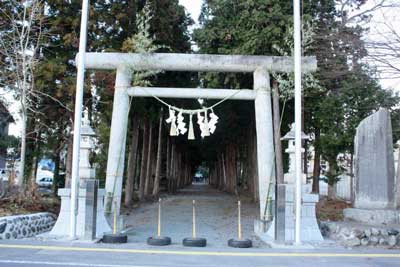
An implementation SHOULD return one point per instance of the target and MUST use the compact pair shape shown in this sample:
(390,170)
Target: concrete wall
(22,226)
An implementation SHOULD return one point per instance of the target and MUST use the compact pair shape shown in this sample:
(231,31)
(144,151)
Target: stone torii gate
(126,63)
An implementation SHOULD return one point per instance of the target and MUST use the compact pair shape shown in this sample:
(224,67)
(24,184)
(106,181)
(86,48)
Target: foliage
(159,26)
(11,144)
(336,98)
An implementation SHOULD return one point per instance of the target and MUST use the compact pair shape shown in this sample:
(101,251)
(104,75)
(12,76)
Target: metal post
(159,218)
(78,117)
(239,223)
(297,111)
(194,220)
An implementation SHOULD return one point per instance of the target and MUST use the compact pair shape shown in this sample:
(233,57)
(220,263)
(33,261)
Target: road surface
(61,254)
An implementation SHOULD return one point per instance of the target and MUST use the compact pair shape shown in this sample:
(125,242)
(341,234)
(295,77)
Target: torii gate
(126,63)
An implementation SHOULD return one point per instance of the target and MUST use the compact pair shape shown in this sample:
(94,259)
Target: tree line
(342,92)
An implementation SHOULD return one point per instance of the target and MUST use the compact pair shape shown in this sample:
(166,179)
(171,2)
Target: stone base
(309,227)
(62,226)
(373,216)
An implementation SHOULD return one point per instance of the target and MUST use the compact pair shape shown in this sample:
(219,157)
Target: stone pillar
(116,150)
(374,162)
(374,181)
(265,140)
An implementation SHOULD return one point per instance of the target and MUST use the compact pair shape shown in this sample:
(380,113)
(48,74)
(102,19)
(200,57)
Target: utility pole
(78,117)
(297,115)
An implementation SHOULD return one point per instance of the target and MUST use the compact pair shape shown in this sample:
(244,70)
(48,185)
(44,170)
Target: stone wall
(22,226)
(351,234)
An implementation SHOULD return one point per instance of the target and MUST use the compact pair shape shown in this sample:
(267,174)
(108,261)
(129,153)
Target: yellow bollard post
(115,221)
(194,220)
(117,236)
(194,241)
(239,223)
(159,218)
(239,242)
(159,240)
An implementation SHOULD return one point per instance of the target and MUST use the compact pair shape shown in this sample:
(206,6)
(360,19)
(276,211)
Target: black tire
(159,241)
(245,243)
(194,242)
(115,238)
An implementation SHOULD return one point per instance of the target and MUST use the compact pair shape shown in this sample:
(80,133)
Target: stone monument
(309,226)
(86,173)
(374,179)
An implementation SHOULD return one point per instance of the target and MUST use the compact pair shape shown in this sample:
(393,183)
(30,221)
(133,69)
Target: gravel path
(216,214)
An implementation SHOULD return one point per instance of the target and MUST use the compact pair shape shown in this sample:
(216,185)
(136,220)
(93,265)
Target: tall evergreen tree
(265,28)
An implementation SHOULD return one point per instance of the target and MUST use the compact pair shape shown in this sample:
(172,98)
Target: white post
(297,112)
(116,150)
(77,118)
(265,141)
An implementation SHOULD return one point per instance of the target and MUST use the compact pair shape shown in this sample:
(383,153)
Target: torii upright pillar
(264,129)
(116,150)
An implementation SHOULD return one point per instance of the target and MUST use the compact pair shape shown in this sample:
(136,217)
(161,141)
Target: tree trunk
(132,158)
(156,187)
(143,164)
(68,163)
(138,165)
(56,179)
(171,169)
(149,172)
(231,167)
(317,164)
(20,180)
(168,163)
(225,180)
(332,175)
(177,171)
(35,160)
(277,134)
(332,191)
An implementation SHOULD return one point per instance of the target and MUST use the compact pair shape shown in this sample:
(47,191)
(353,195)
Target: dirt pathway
(216,217)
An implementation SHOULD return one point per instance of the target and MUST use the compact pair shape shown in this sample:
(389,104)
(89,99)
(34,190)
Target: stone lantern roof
(291,134)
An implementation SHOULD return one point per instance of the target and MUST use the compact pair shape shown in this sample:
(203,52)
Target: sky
(193,7)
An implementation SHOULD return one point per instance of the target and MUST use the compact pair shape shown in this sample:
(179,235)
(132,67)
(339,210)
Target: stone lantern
(290,176)
(88,208)
(86,172)
(286,209)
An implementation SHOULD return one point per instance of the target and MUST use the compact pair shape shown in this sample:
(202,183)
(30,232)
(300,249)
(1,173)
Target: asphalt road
(24,253)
